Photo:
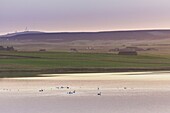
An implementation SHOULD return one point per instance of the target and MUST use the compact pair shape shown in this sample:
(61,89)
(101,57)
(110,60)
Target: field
(58,62)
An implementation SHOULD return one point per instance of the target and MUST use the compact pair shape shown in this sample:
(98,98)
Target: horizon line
(95,31)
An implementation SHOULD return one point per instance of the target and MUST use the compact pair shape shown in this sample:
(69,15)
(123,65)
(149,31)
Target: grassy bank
(54,62)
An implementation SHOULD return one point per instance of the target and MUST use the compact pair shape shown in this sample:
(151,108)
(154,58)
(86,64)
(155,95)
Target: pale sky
(83,15)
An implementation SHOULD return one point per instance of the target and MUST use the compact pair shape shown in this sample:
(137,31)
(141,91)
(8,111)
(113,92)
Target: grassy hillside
(100,42)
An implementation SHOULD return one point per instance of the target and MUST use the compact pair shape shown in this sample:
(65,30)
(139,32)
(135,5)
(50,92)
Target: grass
(38,61)
(18,74)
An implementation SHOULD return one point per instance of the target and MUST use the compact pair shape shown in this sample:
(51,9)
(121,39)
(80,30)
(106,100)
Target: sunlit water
(132,92)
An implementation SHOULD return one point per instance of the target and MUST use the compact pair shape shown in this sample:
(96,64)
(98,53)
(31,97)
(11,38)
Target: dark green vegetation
(32,63)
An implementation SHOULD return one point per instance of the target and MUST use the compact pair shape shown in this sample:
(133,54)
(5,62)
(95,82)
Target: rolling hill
(107,35)
(99,41)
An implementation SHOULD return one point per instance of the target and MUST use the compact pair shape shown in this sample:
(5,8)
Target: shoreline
(34,73)
(88,84)
(146,76)
(87,70)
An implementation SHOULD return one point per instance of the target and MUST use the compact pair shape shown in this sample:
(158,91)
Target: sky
(83,15)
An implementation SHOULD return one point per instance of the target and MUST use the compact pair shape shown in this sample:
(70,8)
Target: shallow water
(134,92)
(113,104)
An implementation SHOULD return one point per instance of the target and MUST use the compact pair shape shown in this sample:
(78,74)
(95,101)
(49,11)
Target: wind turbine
(26,29)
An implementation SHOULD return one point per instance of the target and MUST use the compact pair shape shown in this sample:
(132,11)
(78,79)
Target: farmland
(65,62)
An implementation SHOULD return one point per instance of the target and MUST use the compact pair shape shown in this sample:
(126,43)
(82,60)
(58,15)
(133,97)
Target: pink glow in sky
(83,15)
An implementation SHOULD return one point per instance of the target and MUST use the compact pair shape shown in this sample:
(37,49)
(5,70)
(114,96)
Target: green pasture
(11,61)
